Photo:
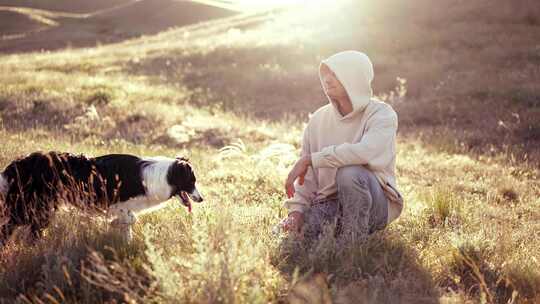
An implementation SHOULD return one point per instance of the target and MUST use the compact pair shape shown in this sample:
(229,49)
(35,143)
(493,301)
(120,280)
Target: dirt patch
(36,113)
(136,128)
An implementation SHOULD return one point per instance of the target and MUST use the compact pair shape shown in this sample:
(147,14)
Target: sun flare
(263,5)
(269,4)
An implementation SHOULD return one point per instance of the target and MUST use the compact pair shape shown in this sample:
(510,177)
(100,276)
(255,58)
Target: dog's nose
(196,196)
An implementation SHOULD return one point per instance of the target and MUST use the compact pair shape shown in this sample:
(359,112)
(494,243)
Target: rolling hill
(43,26)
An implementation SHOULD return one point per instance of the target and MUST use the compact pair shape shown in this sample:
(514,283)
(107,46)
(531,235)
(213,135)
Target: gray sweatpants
(361,207)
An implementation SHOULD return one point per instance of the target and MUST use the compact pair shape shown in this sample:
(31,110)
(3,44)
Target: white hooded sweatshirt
(366,136)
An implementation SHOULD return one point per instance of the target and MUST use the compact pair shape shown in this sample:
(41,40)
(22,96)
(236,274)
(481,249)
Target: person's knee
(352,175)
(319,215)
(315,215)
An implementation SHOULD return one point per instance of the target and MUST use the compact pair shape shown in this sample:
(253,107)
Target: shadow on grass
(382,270)
(256,82)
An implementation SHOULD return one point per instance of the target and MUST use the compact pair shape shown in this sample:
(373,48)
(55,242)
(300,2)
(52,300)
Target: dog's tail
(4,185)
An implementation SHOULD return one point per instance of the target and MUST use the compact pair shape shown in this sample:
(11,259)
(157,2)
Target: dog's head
(182,180)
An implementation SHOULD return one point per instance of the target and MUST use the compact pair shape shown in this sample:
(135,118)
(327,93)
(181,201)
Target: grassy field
(233,94)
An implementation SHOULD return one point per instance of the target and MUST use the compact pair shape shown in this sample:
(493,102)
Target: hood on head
(355,72)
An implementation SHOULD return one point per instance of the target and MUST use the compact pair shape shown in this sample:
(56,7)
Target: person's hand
(294,222)
(297,172)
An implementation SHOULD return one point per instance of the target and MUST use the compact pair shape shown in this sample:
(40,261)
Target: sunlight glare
(255,5)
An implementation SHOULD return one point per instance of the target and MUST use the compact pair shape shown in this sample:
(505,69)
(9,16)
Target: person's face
(334,88)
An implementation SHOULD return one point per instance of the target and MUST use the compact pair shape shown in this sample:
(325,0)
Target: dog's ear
(182,164)
(180,175)
(182,158)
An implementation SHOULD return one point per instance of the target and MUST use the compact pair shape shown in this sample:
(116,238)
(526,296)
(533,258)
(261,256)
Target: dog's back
(121,171)
(33,184)
(44,176)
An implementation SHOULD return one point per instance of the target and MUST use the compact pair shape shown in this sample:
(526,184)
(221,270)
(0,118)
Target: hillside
(45,26)
(71,6)
(233,94)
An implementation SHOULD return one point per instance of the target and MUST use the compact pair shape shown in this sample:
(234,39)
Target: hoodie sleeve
(305,193)
(376,147)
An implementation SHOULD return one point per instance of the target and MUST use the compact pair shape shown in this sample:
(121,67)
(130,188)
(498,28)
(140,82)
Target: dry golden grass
(247,83)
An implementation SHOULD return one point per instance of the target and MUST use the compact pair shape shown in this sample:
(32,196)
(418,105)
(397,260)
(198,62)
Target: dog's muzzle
(196,196)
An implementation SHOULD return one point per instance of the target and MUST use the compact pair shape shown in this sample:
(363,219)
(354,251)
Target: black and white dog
(33,187)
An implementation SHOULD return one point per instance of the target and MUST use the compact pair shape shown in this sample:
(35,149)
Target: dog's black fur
(34,185)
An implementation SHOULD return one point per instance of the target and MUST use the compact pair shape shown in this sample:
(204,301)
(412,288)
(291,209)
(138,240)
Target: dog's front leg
(123,220)
(123,213)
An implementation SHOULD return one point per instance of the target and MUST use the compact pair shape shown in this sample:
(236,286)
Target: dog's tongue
(185,198)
